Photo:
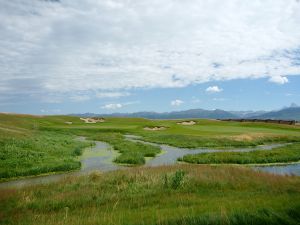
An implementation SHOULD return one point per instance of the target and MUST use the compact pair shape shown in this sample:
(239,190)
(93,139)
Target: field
(183,194)
(32,145)
(179,194)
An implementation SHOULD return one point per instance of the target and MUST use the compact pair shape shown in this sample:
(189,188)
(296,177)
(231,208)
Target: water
(101,156)
(98,157)
(171,154)
(292,169)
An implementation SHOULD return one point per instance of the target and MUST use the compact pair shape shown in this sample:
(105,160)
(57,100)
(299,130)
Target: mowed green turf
(32,145)
(182,194)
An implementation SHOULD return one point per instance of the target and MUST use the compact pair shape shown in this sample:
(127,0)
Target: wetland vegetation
(32,145)
(181,194)
(284,154)
(174,194)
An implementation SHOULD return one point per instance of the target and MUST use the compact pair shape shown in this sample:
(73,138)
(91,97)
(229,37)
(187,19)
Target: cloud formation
(112,94)
(69,46)
(176,102)
(213,89)
(112,106)
(279,79)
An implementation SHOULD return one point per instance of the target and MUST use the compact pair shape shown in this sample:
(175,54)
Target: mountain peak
(293,105)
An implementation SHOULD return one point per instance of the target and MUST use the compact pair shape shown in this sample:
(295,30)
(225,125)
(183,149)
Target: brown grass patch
(248,136)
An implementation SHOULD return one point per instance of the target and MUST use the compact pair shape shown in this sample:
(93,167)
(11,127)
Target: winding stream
(171,154)
(291,169)
(101,156)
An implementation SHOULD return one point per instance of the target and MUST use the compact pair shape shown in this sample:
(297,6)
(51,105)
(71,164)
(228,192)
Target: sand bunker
(93,120)
(187,123)
(154,128)
(68,122)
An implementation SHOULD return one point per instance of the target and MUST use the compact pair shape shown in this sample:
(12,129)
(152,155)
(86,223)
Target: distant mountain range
(287,113)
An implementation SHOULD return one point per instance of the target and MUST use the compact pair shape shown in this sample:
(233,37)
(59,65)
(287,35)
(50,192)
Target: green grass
(32,145)
(131,152)
(192,194)
(172,195)
(188,141)
(285,154)
(38,153)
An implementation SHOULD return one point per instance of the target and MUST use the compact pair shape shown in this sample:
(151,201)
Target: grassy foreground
(182,194)
(285,154)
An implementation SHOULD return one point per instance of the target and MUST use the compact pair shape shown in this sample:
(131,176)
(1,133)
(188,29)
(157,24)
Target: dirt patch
(93,120)
(154,128)
(187,123)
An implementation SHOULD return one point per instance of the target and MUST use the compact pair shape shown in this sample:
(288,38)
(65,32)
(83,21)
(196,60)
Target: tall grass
(205,195)
(38,153)
(288,153)
(189,141)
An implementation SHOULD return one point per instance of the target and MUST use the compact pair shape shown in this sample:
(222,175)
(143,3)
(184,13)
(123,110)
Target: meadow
(285,154)
(182,194)
(168,195)
(40,153)
(33,145)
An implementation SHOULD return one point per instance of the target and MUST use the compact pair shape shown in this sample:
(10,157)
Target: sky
(104,56)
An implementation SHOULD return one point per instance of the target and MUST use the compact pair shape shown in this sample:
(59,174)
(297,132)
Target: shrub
(174,181)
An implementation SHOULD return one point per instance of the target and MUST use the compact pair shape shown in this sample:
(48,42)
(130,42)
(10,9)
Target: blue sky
(245,94)
(73,56)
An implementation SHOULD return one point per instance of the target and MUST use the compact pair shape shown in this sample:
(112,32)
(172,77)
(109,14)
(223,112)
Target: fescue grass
(285,154)
(192,194)
(38,153)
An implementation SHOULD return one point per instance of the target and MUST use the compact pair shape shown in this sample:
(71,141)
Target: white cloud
(213,89)
(74,46)
(112,106)
(50,111)
(80,98)
(176,102)
(279,80)
(219,99)
(112,94)
(289,94)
